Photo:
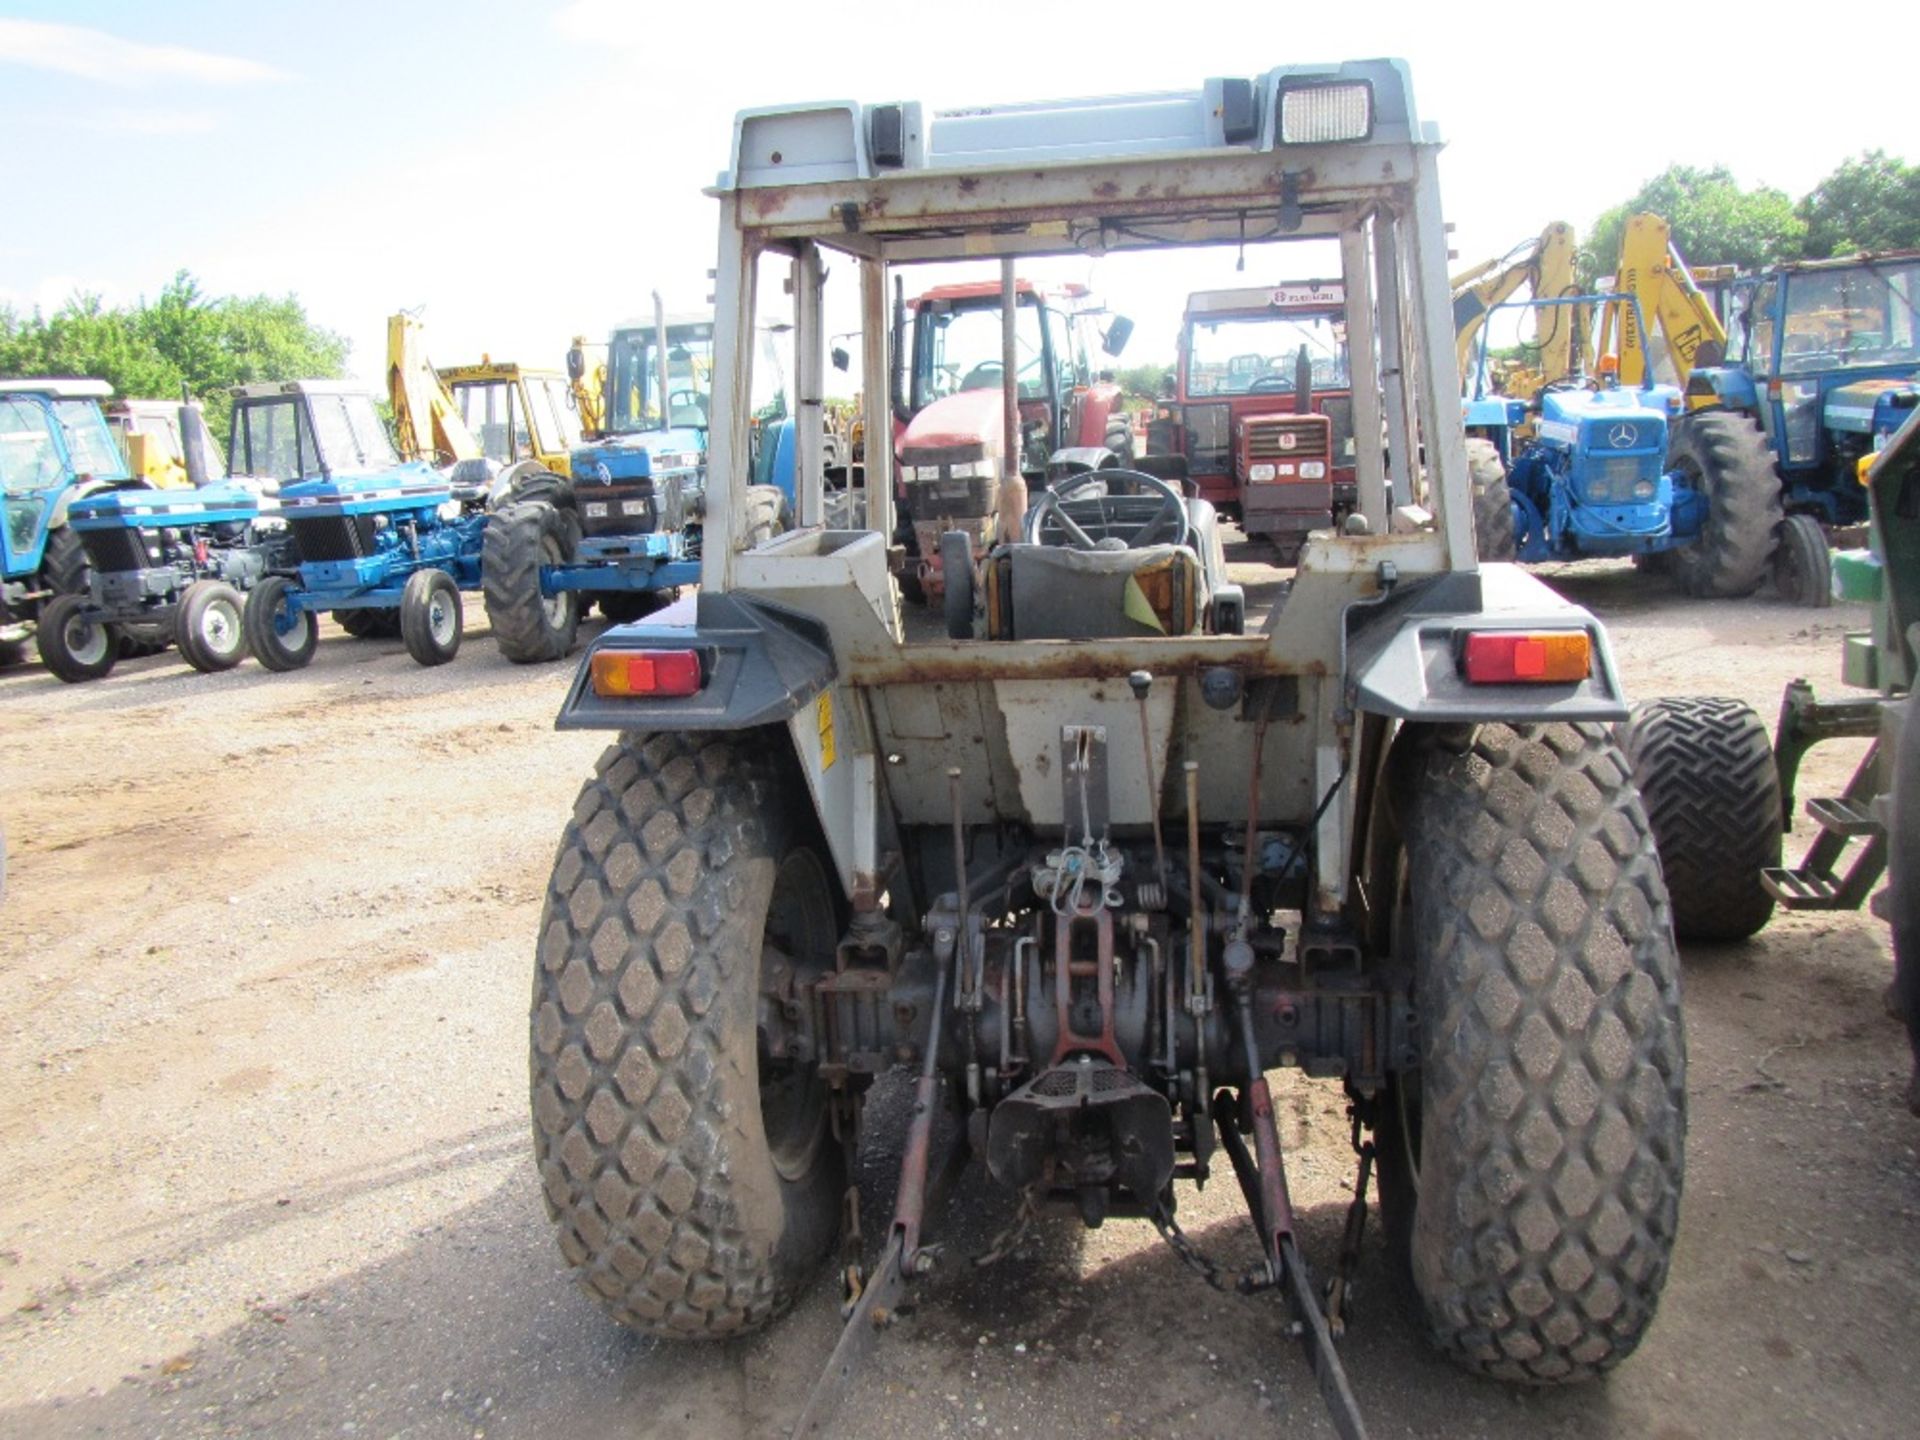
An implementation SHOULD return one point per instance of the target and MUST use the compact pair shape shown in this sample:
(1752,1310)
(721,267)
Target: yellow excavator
(1672,303)
(512,415)
(1544,268)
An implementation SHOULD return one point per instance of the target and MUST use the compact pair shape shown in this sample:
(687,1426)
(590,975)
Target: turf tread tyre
(1492,501)
(1552,1075)
(209,628)
(648,1133)
(1729,456)
(1711,790)
(519,538)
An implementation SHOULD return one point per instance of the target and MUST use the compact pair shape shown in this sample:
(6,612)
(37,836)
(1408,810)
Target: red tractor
(949,427)
(1263,408)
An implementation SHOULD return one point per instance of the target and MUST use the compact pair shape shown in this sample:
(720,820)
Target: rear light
(621,674)
(1517,658)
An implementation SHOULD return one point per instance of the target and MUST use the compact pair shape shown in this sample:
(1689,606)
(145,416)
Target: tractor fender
(759,664)
(1726,385)
(519,476)
(1404,654)
(1078,459)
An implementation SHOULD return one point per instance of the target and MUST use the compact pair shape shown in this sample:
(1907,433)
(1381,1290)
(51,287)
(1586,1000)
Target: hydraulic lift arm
(426,423)
(1652,270)
(1546,269)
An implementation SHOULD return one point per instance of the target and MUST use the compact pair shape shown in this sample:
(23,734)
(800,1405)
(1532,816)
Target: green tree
(1142,379)
(182,337)
(1714,221)
(1872,202)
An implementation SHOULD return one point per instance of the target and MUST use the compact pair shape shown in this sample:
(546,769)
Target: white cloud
(112,59)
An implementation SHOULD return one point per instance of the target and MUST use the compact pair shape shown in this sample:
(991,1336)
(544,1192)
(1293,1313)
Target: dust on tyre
(689,1172)
(280,634)
(1531,1160)
(1492,501)
(1802,563)
(1724,457)
(431,617)
(209,628)
(74,646)
(530,627)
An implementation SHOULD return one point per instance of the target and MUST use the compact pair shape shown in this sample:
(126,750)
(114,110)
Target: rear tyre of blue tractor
(431,617)
(280,635)
(209,628)
(1802,563)
(529,626)
(72,646)
(623,607)
(368,623)
(1724,457)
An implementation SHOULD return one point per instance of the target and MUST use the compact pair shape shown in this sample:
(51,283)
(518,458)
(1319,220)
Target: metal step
(1839,815)
(1803,889)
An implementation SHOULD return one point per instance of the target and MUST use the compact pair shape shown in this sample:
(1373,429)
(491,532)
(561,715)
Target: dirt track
(264,1166)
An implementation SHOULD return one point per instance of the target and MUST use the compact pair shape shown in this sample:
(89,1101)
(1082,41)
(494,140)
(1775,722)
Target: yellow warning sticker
(823,719)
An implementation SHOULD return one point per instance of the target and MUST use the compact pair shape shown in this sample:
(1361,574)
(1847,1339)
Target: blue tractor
(1823,361)
(1588,468)
(55,447)
(370,537)
(624,530)
(174,560)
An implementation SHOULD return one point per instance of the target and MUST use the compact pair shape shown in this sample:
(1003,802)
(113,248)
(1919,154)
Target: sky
(520,172)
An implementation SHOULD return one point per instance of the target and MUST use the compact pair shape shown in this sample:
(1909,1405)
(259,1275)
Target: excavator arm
(426,422)
(1652,270)
(1546,270)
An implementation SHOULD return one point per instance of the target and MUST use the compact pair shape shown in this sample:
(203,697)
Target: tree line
(182,338)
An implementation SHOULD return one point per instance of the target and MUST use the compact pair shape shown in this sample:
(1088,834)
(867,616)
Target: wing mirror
(1119,331)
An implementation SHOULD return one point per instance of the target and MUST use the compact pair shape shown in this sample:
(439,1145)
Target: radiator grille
(1286,437)
(333,537)
(109,551)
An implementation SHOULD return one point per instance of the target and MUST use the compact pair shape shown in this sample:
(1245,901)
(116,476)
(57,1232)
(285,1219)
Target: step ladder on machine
(1853,832)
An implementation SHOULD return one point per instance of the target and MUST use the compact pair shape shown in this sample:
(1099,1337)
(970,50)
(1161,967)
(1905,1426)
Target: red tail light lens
(1519,658)
(622,674)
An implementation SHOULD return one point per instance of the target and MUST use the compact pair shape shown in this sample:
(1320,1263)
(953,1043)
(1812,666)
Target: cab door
(33,471)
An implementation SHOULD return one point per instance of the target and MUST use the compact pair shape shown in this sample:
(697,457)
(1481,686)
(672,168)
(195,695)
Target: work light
(1320,114)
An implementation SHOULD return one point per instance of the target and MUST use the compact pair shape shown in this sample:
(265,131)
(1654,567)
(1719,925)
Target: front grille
(624,507)
(109,551)
(333,537)
(1286,437)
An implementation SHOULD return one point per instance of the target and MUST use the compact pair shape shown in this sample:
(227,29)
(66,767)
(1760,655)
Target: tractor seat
(1047,592)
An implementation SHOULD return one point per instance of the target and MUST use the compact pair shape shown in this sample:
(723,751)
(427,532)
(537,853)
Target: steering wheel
(984,376)
(1268,383)
(1171,516)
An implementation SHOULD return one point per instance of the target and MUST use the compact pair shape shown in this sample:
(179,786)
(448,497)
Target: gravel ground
(264,1167)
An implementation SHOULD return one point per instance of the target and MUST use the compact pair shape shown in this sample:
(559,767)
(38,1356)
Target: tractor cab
(949,440)
(1263,408)
(516,413)
(1827,352)
(54,445)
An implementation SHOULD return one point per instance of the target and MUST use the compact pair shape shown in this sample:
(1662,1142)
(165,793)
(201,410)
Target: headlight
(1597,490)
(1313,470)
(1644,490)
(1259,473)
(1320,114)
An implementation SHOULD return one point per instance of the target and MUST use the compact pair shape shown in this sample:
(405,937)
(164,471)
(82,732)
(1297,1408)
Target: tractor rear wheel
(1725,458)
(73,646)
(63,563)
(767,515)
(368,623)
(1705,771)
(280,635)
(1492,501)
(1802,563)
(623,607)
(530,627)
(692,1175)
(431,617)
(208,626)
(1531,1155)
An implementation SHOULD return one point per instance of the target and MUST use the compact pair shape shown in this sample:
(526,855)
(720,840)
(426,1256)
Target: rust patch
(768,202)
(1107,190)
(969,184)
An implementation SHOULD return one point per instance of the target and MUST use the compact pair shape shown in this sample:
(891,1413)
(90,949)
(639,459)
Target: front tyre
(209,626)
(1802,563)
(691,1174)
(431,617)
(529,625)
(1724,457)
(74,646)
(1530,1166)
(281,635)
